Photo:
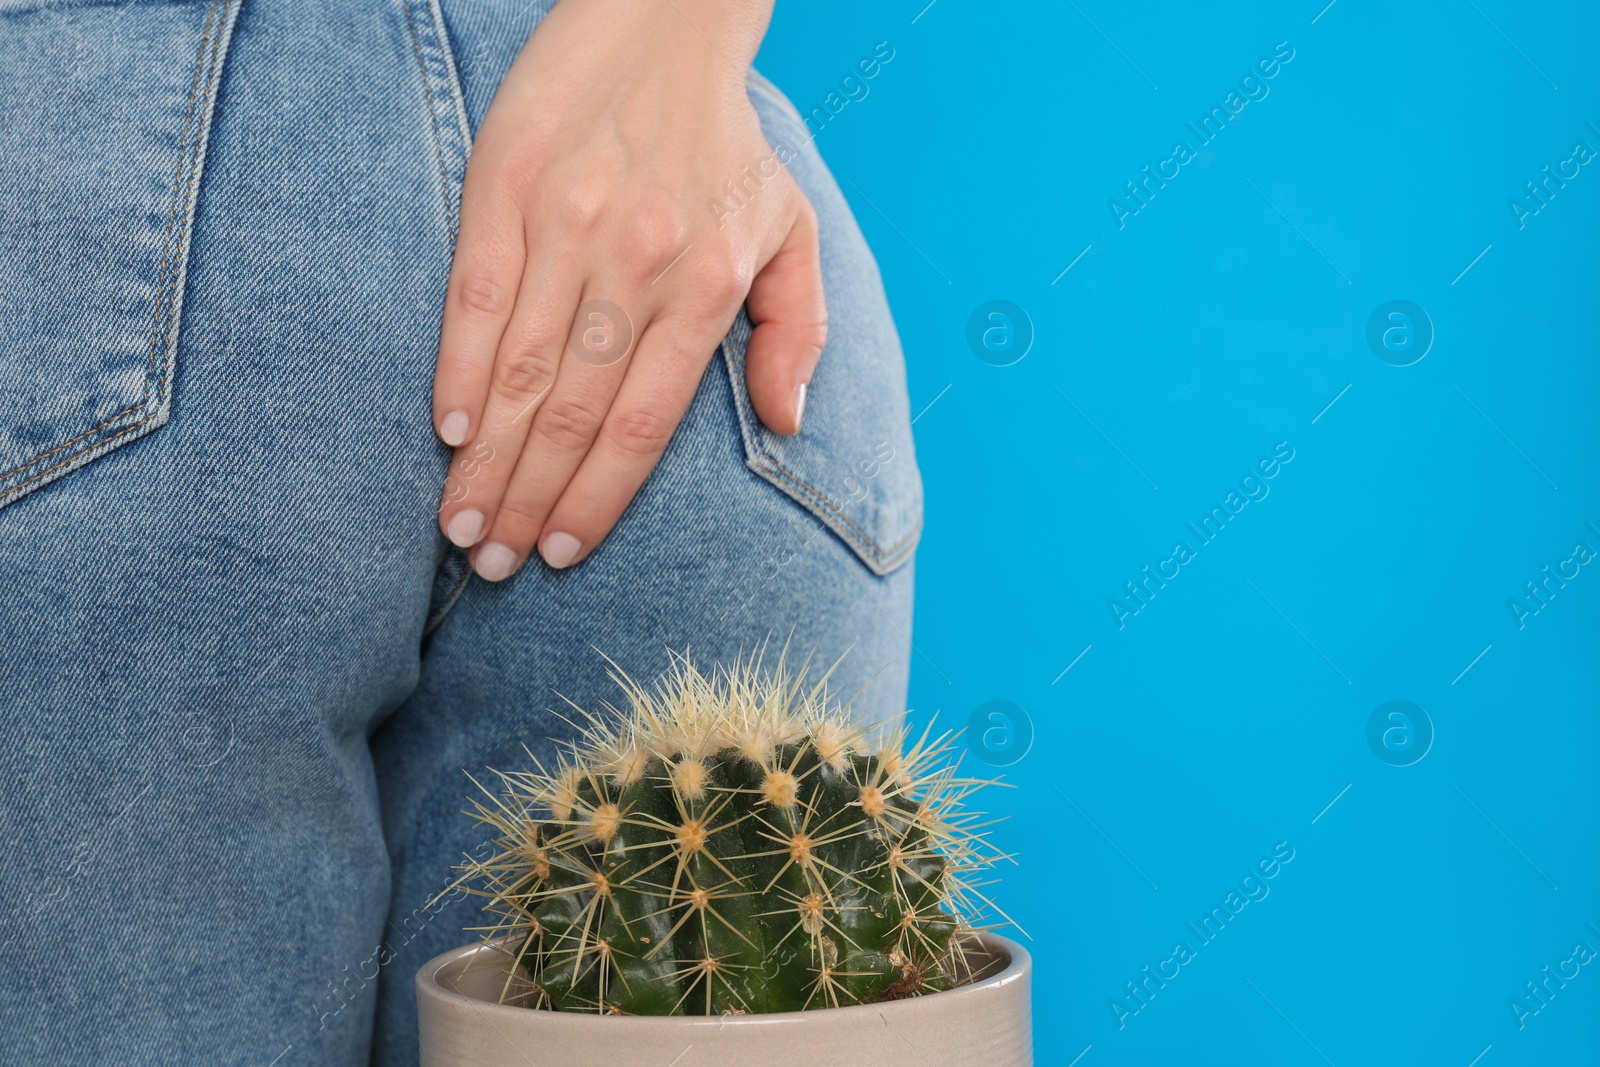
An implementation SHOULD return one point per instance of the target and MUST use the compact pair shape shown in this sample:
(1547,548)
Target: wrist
(724,32)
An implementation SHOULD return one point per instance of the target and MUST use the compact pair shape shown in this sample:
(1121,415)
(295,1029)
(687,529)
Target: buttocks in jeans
(242,672)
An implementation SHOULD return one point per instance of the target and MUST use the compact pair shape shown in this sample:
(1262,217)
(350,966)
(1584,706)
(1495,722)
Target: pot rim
(1017,970)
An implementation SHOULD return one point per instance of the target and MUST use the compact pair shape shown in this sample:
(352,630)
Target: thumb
(791,325)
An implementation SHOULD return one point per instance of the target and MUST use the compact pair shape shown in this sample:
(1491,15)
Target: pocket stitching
(884,558)
(432,115)
(453,87)
(886,555)
(188,159)
(76,456)
(168,308)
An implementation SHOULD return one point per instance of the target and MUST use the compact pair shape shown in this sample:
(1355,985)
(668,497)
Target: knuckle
(524,373)
(813,334)
(455,364)
(515,516)
(455,489)
(482,295)
(582,205)
(518,179)
(721,285)
(518,168)
(639,432)
(815,330)
(568,422)
(656,234)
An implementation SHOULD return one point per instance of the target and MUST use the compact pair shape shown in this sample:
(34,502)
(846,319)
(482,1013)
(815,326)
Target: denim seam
(881,559)
(170,272)
(167,250)
(452,145)
(437,616)
(886,555)
(184,231)
(11,494)
(166,245)
(438,49)
(452,77)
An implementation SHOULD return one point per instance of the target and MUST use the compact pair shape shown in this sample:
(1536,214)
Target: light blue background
(1224,318)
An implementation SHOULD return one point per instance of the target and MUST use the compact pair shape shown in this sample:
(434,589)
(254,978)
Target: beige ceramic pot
(984,1023)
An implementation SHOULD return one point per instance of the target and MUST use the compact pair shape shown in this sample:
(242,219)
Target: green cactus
(730,844)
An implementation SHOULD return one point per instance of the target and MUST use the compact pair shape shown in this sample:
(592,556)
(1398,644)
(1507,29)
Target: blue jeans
(242,672)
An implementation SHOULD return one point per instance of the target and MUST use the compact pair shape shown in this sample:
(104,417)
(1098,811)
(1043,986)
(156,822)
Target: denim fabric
(242,673)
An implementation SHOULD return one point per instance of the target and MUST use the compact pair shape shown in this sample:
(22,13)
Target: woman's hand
(621,203)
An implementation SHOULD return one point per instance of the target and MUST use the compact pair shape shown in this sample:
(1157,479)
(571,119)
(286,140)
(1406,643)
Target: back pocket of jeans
(852,465)
(102,138)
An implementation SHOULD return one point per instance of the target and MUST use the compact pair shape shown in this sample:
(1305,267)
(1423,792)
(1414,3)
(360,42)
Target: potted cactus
(728,871)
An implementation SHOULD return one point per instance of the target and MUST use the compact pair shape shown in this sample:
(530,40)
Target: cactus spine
(730,844)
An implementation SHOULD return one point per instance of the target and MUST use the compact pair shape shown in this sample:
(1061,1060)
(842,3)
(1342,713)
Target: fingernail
(799,405)
(560,549)
(494,562)
(465,527)
(453,428)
